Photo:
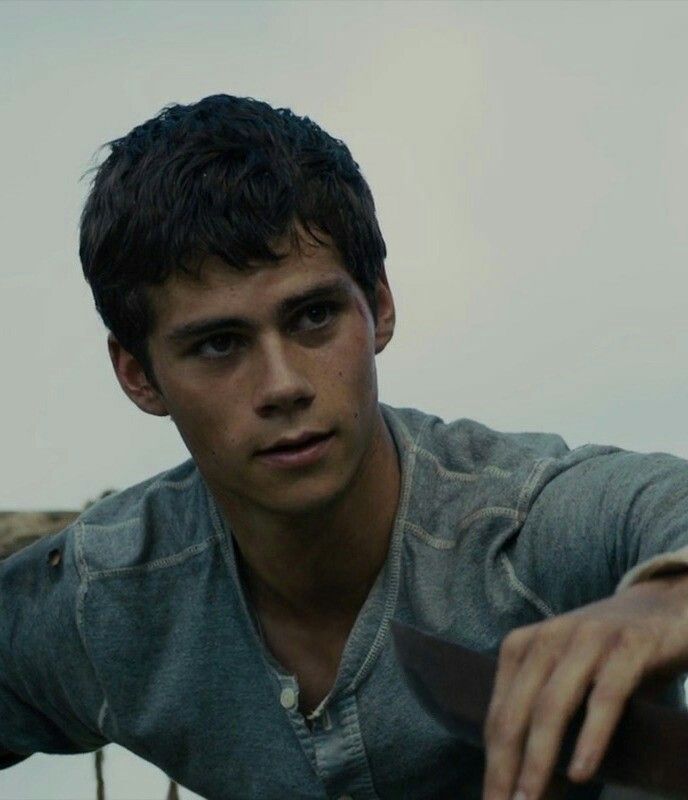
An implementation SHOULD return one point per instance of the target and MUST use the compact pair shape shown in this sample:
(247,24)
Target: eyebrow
(203,327)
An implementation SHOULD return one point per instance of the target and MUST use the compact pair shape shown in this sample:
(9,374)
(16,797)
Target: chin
(305,496)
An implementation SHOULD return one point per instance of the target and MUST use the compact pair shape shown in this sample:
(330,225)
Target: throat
(322,563)
(313,656)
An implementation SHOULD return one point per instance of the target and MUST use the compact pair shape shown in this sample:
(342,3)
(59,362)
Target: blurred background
(529,162)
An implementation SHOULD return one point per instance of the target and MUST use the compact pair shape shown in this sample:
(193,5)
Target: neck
(321,567)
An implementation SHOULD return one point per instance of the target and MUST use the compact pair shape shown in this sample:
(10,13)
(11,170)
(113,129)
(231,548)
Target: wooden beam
(19,529)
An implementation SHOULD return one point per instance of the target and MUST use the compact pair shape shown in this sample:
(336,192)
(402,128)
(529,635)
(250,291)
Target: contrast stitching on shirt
(125,523)
(224,541)
(101,716)
(404,427)
(523,590)
(532,481)
(82,566)
(320,709)
(395,559)
(353,742)
(221,537)
(160,563)
(218,527)
(80,597)
(447,544)
(490,511)
(163,483)
(84,576)
(498,472)
(462,477)
(429,539)
(80,600)
(217,524)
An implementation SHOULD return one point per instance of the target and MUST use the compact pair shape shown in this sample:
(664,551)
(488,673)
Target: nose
(281,384)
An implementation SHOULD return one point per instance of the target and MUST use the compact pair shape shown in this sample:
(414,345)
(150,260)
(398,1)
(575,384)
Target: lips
(289,445)
(301,452)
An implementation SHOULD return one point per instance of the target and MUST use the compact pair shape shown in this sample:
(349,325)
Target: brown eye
(217,346)
(316,316)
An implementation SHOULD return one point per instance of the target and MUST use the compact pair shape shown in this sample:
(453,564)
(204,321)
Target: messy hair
(228,177)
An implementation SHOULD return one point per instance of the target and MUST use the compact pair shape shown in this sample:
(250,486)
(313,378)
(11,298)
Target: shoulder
(40,583)
(150,521)
(153,520)
(111,530)
(152,496)
(48,690)
(467,446)
(464,481)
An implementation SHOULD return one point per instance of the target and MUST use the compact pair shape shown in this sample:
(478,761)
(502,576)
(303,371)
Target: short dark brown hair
(226,176)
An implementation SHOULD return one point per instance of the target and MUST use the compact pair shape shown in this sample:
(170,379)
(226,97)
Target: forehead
(253,293)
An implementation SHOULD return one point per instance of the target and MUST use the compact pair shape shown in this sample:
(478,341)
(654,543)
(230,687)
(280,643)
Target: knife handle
(648,750)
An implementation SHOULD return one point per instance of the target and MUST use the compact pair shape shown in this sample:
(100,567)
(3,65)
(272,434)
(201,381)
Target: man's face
(245,359)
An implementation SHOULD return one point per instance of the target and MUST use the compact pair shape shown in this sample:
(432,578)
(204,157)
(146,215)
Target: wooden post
(100,782)
(173,792)
(19,529)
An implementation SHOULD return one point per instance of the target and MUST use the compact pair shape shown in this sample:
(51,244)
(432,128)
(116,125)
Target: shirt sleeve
(599,520)
(664,564)
(49,697)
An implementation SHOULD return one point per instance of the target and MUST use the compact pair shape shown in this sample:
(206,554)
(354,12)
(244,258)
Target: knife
(649,749)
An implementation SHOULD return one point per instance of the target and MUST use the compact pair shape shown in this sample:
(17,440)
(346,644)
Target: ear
(386,316)
(134,381)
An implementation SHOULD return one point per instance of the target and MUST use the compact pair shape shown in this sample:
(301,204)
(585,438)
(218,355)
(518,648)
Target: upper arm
(597,518)
(48,693)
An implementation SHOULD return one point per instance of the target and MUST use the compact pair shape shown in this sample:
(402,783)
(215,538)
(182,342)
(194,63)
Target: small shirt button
(288,698)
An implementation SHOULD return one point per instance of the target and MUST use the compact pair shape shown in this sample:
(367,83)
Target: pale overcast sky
(529,162)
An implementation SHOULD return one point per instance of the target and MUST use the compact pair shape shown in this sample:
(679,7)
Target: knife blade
(649,749)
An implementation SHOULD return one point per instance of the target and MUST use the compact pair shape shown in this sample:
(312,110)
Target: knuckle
(512,645)
(608,694)
(519,640)
(590,630)
(551,637)
(629,638)
(548,705)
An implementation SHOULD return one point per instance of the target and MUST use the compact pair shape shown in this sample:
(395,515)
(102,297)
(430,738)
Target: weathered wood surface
(20,528)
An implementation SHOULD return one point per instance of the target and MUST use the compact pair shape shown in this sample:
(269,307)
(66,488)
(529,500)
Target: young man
(229,620)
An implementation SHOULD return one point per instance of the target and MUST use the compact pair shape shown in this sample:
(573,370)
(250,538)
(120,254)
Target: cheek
(206,422)
(351,373)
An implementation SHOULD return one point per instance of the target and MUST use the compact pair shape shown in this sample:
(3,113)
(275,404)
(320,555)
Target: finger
(615,682)
(510,713)
(553,709)
(513,650)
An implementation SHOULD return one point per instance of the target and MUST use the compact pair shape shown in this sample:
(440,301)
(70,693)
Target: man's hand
(545,671)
